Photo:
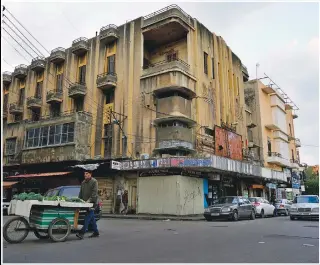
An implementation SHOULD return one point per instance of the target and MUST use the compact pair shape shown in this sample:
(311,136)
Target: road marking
(261,242)
(308,245)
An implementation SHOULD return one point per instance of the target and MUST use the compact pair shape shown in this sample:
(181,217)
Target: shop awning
(257,186)
(39,175)
(8,184)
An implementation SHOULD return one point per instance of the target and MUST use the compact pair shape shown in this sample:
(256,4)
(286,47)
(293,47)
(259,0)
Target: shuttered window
(11,146)
(111,64)
(38,93)
(59,82)
(205,62)
(21,96)
(82,74)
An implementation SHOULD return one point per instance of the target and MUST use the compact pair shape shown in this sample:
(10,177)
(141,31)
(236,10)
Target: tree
(312,186)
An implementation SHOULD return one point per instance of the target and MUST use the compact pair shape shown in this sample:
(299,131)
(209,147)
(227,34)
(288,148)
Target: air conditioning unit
(144,156)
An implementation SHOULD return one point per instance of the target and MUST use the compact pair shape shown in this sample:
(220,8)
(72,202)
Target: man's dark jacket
(89,191)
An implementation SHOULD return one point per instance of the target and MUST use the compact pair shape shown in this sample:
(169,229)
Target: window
(212,61)
(55,110)
(70,192)
(269,146)
(111,61)
(172,56)
(108,131)
(79,104)
(82,74)
(38,93)
(59,80)
(208,131)
(35,115)
(5,102)
(238,89)
(50,135)
(205,62)
(292,154)
(11,146)
(290,129)
(17,117)
(67,133)
(21,96)
(110,97)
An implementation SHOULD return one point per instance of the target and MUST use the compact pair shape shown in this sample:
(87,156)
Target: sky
(282,37)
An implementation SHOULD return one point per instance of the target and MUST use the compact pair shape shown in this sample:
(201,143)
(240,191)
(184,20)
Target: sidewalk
(155,217)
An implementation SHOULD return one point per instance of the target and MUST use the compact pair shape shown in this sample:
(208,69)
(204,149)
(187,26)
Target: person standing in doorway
(125,201)
(89,193)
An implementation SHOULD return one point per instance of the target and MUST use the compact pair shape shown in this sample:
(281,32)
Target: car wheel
(292,218)
(235,215)
(253,215)
(208,219)
(262,213)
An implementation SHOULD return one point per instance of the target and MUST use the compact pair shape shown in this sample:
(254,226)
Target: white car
(263,207)
(305,206)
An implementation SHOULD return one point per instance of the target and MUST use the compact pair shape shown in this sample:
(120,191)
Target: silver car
(283,207)
(305,206)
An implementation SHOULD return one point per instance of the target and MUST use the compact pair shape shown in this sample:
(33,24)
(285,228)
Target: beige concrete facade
(163,89)
(274,136)
(173,195)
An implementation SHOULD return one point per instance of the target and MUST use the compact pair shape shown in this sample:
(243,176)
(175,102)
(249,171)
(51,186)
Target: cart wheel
(16,230)
(59,229)
(41,234)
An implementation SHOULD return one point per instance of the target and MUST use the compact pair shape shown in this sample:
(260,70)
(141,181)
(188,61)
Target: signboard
(115,165)
(271,185)
(228,144)
(295,180)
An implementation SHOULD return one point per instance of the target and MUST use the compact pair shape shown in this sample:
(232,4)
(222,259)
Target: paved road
(262,240)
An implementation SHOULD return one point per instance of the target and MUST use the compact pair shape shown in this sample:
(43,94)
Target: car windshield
(252,199)
(70,192)
(306,199)
(223,200)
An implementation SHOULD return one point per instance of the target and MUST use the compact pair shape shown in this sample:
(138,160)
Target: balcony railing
(77,90)
(7,78)
(165,65)
(276,158)
(15,108)
(80,46)
(167,12)
(34,102)
(61,115)
(54,96)
(297,142)
(38,64)
(58,55)
(109,33)
(20,71)
(107,81)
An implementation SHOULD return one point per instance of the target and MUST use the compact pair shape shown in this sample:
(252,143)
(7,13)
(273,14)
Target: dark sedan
(231,208)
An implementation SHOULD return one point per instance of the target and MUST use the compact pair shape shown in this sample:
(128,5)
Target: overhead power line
(5,9)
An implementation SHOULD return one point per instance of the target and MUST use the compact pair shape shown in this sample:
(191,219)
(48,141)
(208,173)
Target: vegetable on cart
(55,218)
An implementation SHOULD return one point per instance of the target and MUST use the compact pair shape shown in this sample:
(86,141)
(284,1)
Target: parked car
(305,206)
(73,191)
(263,207)
(283,207)
(230,207)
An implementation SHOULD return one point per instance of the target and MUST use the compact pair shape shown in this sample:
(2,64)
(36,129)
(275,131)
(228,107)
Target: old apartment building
(147,87)
(273,142)
(162,94)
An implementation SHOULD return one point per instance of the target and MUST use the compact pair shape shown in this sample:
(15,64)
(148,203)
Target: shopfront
(229,186)
(214,189)
(271,191)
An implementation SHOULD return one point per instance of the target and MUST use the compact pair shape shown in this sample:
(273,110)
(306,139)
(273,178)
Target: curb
(156,218)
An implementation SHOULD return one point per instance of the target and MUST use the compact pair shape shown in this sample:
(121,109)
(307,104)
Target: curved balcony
(54,97)
(7,78)
(34,103)
(107,81)
(80,46)
(20,71)
(38,64)
(58,55)
(297,142)
(109,34)
(77,90)
(15,108)
(167,76)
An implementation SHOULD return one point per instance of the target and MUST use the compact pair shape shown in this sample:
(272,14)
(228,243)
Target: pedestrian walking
(89,193)
(125,201)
